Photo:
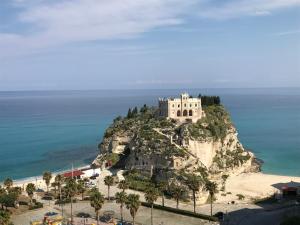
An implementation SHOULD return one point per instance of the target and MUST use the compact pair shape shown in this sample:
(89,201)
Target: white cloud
(285,33)
(56,22)
(59,22)
(238,8)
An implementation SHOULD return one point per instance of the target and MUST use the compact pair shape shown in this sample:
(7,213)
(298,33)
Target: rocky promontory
(170,150)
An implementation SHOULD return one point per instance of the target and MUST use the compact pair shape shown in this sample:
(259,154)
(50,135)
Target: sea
(53,130)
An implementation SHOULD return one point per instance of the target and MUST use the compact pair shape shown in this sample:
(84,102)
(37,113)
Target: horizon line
(150,89)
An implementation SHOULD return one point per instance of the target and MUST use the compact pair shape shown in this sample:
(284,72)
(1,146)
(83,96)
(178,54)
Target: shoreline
(251,185)
(38,180)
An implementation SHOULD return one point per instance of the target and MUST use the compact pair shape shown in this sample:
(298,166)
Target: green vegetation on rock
(214,125)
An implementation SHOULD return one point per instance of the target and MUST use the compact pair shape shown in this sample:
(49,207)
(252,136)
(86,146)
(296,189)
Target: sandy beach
(254,186)
(38,180)
(251,185)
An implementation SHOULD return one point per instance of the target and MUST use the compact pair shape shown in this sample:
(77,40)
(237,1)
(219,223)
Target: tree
(9,199)
(81,188)
(123,184)
(97,201)
(129,113)
(121,198)
(144,108)
(133,203)
(59,179)
(47,178)
(4,217)
(194,182)
(30,189)
(109,181)
(71,190)
(224,178)
(135,111)
(15,190)
(54,185)
(8,183)
(162,187)
(211,187)
(177,192)
(151,196)
(2,194)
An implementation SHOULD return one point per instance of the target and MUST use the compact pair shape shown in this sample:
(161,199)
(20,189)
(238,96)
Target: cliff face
(149,143)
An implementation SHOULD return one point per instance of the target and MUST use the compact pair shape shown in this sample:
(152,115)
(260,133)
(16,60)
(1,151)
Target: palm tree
(8,183)
(71,190)
(177,192)
(59,179)
(30,189)
(211,187)
(123,184)
(47,178)
(162,186)
(133,203)
(224,178)
(97,201)
(151,196)
(4,217)
(2,194)
(81,188)
(109,181)
(121,198)
(194,182)
(54,185)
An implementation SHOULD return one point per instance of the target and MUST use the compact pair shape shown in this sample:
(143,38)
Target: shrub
(37,205)
(23,203)
(240,196)
(181,211)
(47,197)
(64,201)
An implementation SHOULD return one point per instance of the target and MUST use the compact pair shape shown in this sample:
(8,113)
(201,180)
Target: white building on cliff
(183,109)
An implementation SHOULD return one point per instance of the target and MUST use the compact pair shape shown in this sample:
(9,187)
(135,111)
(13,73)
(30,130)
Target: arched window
(190,112)
(178,112)
(185,112)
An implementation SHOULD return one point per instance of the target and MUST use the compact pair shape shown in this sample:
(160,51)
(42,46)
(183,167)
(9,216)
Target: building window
(178,105)
(196,105)
(184,105)
(190,112)
(173,105)
(190,105)
(178,113)
(185,112)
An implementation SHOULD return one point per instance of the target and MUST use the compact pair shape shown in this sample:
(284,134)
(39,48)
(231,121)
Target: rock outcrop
(150,143)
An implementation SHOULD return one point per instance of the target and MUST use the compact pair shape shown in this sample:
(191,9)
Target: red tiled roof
(75,173)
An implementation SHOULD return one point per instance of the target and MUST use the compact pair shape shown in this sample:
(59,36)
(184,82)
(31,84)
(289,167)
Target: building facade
(182,109)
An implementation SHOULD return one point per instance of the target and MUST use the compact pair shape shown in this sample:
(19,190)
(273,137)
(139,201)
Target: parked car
(51,213)
(220,216)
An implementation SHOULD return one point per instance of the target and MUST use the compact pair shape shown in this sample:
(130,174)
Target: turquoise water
(51,130)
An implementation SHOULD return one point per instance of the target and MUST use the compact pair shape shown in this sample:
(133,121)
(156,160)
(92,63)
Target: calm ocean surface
(51,130)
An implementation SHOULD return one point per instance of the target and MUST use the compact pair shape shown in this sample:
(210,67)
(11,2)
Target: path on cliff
(196,159)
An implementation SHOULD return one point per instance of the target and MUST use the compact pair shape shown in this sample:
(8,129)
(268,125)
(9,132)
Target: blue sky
(128,44)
